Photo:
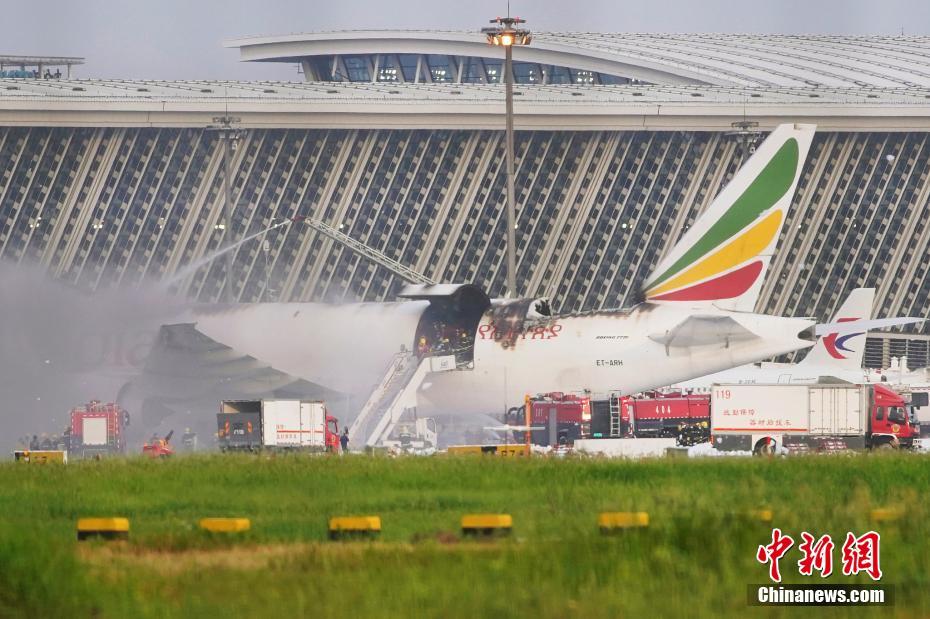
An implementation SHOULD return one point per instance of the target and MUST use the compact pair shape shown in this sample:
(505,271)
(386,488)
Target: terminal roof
(713,59)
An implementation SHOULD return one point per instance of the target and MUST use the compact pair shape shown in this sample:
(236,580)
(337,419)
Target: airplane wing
(700,330)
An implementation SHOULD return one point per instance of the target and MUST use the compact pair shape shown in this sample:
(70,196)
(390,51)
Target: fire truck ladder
(408,274)
(615,424)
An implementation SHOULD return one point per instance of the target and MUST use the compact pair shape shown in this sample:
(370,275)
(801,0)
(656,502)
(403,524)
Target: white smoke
(62,347)
(344,347)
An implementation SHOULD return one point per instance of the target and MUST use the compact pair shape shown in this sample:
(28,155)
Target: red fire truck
(557,418)
(97,429)
(664,414)
(560,418)
(653,415)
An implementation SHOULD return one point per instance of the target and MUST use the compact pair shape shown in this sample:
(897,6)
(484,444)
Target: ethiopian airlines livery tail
(723,257)
(843,352)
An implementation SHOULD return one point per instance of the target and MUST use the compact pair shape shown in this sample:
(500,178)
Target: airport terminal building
(396,139)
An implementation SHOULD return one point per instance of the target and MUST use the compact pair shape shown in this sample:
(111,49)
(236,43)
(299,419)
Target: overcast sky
(182,39)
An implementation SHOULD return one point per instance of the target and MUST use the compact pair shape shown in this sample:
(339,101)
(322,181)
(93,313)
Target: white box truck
(276,424)
(821,417)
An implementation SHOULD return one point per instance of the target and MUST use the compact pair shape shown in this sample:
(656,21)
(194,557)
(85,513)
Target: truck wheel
(765,447)
(884,447)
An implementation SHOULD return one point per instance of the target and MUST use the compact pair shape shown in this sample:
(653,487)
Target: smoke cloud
(62,347)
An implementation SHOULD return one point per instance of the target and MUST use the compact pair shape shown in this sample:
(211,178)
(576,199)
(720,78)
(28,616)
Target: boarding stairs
(394,395)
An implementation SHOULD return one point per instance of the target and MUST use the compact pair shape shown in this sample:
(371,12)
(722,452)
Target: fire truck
(560,419)
(685,417)
(556,418)
(97,429)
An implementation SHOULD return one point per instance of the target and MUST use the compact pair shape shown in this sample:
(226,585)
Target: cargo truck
(818,417)
(276,424)
(97,429)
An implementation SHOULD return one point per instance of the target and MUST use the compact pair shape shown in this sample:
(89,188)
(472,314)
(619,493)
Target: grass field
(695,559)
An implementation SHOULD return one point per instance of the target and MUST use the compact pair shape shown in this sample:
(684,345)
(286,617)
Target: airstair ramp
(397,375)
(394,395)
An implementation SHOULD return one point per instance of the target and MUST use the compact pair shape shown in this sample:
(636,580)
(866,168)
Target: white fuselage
(348,348)
(598,353)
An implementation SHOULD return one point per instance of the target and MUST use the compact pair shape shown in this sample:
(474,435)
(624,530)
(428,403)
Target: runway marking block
(612,522)
(225,525)
(41,456)
(886,514)
(487,524)
(762,515)
(105,528)
(489,450)
(354,526)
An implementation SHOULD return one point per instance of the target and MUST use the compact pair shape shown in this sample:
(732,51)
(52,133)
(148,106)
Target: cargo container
(819,417)
(276,424)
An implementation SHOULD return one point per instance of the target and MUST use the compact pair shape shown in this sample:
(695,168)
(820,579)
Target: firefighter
(189,440)
(422,346)
(344,440)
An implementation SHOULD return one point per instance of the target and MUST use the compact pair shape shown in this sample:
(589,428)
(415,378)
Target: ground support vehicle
(252,425)
(818,417)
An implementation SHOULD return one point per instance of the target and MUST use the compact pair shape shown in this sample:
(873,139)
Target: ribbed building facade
(596,210)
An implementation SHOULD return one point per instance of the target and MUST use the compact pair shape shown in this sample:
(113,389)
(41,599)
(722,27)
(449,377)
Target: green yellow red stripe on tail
(725,254)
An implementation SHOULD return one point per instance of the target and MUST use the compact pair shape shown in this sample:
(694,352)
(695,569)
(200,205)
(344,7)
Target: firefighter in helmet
(422,346)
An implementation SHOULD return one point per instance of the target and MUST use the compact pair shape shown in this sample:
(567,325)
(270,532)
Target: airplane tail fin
(844,351)
(724,256)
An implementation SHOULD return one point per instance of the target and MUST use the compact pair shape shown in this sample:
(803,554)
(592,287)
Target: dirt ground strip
(253,556)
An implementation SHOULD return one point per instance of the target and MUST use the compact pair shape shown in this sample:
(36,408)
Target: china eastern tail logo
(834,342)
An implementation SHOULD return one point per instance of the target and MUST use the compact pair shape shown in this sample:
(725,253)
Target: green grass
(696,558)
